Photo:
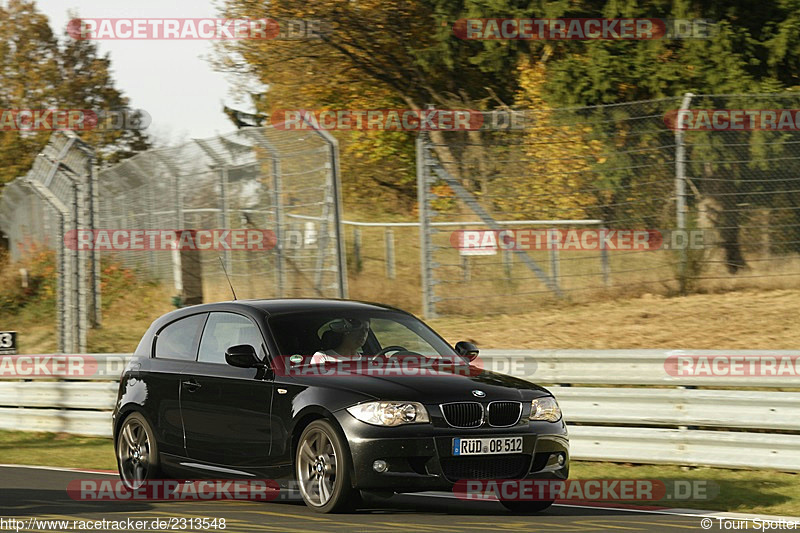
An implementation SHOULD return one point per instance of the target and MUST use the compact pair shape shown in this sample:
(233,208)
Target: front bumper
(420,458)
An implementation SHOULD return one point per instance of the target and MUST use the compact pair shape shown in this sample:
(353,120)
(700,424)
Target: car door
(175,349)
(226,409)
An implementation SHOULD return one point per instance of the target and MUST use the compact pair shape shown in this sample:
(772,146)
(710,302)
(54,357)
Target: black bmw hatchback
(331,396)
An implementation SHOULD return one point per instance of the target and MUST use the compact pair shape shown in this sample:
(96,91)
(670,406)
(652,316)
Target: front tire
(323,467)
(518,507)
(137,452)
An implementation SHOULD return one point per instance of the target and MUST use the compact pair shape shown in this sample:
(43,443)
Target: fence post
(336,194)
(680,187)
(555,263)
(179,222)
(81,275)
(94,210)
(508,263)
(277,200)
(226,217)
(64,269)
(389,240)
(152,224)
(426,261)
(605,267)
(71,306)
(357,248)
(277,185)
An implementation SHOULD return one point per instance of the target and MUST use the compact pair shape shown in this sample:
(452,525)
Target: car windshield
(355,333)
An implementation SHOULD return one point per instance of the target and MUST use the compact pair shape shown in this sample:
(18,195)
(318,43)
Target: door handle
(192,385)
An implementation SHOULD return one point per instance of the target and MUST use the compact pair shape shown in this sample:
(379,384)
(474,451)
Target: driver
(347,335)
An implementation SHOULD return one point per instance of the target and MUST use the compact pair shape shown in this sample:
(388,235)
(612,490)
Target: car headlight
(390,413)
(545,408)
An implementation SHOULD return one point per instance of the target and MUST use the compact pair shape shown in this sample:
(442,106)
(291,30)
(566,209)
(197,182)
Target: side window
(179,339)
(224,330)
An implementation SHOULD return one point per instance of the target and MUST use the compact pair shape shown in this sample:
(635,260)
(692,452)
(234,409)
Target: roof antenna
(221,262)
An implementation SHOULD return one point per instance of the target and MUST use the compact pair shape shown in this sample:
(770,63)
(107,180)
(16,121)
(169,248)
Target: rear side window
(225,330)
(179,339)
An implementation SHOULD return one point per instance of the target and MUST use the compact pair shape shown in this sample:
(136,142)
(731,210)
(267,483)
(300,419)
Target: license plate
(487,446)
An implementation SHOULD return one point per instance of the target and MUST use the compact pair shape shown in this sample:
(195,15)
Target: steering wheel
(393,348)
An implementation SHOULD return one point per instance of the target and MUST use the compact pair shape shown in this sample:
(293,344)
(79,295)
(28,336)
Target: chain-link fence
(41,209)
(282,185)
(742,191)
(670,195)
(262,204)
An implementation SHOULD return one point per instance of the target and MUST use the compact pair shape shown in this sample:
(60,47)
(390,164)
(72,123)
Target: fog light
(380,466)
(560,459)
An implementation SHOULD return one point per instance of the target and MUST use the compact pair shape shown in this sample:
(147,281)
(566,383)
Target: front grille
(504,414)
(486,467)
(463,414)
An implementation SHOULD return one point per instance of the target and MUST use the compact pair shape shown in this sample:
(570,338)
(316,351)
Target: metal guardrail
(673,423)
(738,409)
(725,449)
(631,367)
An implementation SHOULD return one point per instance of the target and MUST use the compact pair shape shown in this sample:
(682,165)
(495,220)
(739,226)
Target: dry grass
(487,291)
(124,323)
(733,320)
(755,310)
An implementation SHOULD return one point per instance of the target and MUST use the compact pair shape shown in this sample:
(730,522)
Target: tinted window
(224,330)
(179,339)
(392,333)
(303,333)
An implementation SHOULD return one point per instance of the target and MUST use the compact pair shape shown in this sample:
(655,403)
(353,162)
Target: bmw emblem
(478,393)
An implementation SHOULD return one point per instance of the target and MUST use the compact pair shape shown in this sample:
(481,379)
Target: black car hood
(428,388)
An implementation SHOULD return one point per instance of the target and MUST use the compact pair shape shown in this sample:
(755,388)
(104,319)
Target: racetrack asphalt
(41,493)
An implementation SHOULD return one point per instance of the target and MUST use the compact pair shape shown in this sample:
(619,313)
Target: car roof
(289,305)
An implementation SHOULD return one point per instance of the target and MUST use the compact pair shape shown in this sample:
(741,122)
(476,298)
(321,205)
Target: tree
(555,177)
(39,72)
(378,55)
(28,75)
(751,51)
(85,82)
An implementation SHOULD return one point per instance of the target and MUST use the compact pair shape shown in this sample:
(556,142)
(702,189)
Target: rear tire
(322,467)
(137,452)
(527,507)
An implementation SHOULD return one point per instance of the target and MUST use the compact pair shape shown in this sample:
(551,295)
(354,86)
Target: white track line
(62,469)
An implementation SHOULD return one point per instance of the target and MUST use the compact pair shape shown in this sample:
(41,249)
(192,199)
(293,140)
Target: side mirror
(467,349)
(243,356)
